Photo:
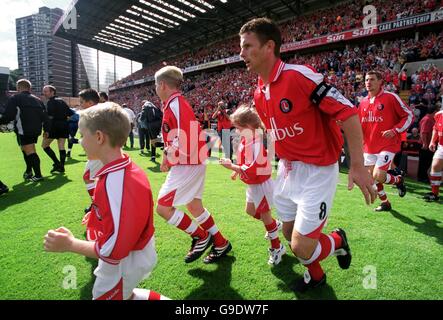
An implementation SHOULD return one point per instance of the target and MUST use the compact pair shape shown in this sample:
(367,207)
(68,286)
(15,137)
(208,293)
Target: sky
(12,9)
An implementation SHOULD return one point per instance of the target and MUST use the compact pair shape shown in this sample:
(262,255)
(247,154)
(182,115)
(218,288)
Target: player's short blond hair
(23,84)
(171,75)
(108,118)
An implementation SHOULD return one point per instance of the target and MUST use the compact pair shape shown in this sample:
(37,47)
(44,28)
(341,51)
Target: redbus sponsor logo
(282,133)
(371,118)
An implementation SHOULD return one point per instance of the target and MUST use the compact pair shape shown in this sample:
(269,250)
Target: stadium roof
(151,30)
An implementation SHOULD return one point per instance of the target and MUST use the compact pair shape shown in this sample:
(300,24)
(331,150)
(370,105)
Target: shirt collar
(275,73)
(172,97)
(114,166)
(377,96)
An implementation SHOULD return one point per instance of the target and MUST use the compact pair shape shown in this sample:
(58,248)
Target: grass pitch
(396,255)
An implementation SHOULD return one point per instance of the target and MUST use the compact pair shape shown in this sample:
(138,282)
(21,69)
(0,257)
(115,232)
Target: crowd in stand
(344,69)
(348,16)
(345,16)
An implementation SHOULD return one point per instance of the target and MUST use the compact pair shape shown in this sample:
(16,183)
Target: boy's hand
(227,163)
(59,240)
(234,175)
(164,167)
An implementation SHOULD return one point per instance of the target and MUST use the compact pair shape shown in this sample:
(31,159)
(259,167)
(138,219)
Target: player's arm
(333,103)
(358,174)
(227,163)
(406,119)
(62,240)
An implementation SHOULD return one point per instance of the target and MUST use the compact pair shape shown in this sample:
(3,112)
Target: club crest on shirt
(285,105)
(380,107)
(166,127)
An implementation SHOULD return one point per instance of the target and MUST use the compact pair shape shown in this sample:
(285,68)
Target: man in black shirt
(58,113)
(151,117)
(29,114)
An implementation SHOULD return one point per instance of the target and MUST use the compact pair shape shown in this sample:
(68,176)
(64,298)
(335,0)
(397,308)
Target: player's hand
(227,163)
(362,178)
(432,147)
(234,175)
(388,134)
(59,240)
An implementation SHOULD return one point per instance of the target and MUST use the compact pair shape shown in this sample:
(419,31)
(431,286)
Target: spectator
(142,128)
(403,76)
(224,128)
(131,116)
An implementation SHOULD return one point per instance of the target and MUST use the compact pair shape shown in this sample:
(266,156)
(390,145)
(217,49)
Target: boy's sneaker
(384,206)
(279,225)
(36,179)
(308,283)
(217,253)
(343,253)
(275,255)
(198,247)
(68,154)
(431,197)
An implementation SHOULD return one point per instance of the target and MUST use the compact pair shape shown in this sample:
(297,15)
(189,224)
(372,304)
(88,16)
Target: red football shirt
(302,130)
(182,132)
(123,205)
(253,161)
(386,111)
(438,126)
